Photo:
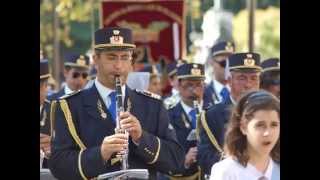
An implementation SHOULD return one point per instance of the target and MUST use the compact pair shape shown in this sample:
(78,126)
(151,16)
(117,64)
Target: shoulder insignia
(171,101)
(47,101)
(69,95)
(172,104)
(149,94)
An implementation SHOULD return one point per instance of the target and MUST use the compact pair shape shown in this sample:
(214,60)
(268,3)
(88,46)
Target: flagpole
(56,46)
(251,4)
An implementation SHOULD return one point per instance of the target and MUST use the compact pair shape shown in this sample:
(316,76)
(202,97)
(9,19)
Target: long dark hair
(236,142)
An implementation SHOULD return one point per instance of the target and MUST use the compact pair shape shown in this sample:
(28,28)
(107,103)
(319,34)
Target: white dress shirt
(217,86)
(67,90)
(104,92)
(187,108)
(174,91)
(230,169)
(234,102)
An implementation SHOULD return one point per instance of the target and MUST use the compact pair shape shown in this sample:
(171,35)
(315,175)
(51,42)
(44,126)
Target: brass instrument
(118,129)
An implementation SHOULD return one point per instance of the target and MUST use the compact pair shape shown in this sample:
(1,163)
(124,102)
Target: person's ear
(211,62)
(243,127)
(229,79)
(179,85)
(65,72)
(94,58)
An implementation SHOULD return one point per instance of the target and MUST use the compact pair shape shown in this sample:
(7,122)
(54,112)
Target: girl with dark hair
(252,141)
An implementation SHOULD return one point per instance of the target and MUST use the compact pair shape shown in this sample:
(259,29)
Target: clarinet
(198,108)
(118,129)
(196,105)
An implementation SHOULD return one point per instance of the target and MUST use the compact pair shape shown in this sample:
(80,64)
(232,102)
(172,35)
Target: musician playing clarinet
(85,144)
(183,115)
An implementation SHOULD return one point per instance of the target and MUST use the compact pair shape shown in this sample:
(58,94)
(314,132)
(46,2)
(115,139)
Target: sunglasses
(221,63)
(271,81)
(77,74)
(275,82)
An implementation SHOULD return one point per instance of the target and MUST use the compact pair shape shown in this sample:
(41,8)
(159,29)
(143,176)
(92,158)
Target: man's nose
(117,64)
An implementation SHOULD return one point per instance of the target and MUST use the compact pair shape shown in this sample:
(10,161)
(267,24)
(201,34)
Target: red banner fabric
(158,26)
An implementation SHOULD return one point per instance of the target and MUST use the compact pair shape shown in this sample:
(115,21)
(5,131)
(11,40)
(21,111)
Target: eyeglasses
(191,86)
(275,82)
(221,63)
(271,81)
(77,74)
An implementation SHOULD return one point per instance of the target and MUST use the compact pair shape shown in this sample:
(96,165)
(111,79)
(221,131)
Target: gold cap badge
(195,70)
(179,63)
(81,61)
(249,61)
(116,38)
(116,32)
(229,47)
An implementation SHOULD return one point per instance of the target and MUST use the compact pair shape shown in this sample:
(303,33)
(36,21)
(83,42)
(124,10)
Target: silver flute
(118,129)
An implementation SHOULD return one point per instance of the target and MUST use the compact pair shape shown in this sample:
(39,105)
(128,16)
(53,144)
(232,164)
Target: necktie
(224,94)
(112,107)
(193,116)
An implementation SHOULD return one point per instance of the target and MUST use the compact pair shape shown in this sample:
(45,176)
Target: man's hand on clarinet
(130,123)
(45,141)
(191,157)
(116,143)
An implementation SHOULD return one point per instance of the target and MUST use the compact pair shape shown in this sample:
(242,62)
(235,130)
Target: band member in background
(183,116)
(75,72)
(270,76)
(174,96)
(45,149)
(218,90)
(154,79)
(245,72)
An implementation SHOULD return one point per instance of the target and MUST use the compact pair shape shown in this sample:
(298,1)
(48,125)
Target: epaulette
(172,105)
(69,95)
(149,94)
(171,102)
(47,101)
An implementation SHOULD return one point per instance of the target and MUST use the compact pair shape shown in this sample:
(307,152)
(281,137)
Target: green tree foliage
(267,31)
(236,5)
(75,20)
(74,26)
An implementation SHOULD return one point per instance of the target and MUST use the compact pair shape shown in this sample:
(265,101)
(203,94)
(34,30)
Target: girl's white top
(230,169)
